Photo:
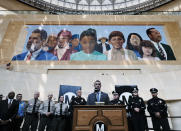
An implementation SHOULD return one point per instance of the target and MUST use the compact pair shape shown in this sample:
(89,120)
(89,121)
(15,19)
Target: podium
(99,118)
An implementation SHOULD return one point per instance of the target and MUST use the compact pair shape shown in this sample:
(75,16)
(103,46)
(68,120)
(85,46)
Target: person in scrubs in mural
(88,40)
(147,51)
(133,43)
(36,40)
(118,53)
(63,50)
(50,44)
(75,43)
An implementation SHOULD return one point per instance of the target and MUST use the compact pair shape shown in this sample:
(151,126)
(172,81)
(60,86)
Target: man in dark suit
(97,95)
(8,112)
(102,47)
(163,51)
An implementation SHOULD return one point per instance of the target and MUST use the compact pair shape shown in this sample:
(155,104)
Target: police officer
(46,111)
(137,107)
(60,113)
(158,111)
(31,118)
(78,100)
(116,100)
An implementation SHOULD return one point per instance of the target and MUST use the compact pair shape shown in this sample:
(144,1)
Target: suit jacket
(169,51)
(42,56)
(92,98)
(8,113)
(99,47)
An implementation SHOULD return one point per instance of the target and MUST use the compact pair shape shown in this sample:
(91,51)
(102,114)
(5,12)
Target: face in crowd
(97,85)
(19,97)
(117,40)
(88,44)
(155,35)
(115,96)
(75,42)
(34,42)
(51,43)
(50,96)
(147,51)
(103,40)
(36,95)
(63,38)
(154,94)
(61,99)
(79,93)
(11,95)
(135,40)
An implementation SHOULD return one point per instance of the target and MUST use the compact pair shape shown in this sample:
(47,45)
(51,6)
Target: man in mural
(164,52)
(158,111)
(103,46)
(97,95)
(63,50)
(35,52)
(118,53)
(50,44)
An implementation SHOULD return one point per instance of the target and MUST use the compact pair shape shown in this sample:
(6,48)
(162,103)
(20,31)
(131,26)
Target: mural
(95,43)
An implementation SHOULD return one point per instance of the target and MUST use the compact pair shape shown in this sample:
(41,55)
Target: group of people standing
(66,46)
(55,116)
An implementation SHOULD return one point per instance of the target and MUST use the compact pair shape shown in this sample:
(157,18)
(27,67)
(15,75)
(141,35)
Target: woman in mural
(133,43)
(88,40)
(147,51)
(118,53)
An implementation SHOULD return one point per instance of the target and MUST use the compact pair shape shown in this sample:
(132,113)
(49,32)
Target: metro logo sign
(100,126)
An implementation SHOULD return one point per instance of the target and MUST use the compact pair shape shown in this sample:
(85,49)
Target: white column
(174,109)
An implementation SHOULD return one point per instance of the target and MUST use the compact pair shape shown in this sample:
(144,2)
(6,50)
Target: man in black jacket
(158,111)
(8,112)
(163,51)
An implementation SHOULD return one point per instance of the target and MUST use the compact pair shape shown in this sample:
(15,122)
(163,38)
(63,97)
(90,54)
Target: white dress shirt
(156,46)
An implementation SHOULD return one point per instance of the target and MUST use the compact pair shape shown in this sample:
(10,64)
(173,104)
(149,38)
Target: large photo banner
(95,43)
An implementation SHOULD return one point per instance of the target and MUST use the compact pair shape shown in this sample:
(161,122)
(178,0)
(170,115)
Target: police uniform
(45,107)
(60,113)
(31,118)
(138,119)
(76,101)
(158,105)
(116,101)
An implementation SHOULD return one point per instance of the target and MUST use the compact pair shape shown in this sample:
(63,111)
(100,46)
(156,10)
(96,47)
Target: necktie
(9,104)
(49,106)
(34,106)
(98,97)
(60,109)
(161,53)
(29,56)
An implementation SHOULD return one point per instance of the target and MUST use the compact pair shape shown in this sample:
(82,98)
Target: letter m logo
(99,127)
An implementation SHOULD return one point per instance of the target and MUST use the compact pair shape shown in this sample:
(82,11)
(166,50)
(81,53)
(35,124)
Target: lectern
(99,118)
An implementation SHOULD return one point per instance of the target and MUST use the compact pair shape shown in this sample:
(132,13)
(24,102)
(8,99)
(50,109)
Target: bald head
(36,94)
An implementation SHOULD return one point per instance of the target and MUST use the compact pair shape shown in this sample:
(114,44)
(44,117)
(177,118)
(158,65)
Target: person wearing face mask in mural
(63,49)
(35,52)
(50,44)
(133,43)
